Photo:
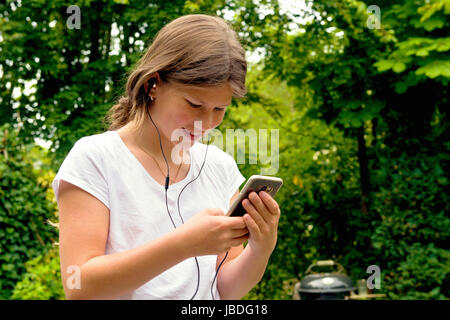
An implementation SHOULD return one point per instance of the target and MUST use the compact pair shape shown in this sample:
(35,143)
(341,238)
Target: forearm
(238,276)
(110,276)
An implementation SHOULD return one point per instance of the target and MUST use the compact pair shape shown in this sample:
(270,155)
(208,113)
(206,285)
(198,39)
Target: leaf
(384,65)
(401,87)
(432,24)
(435,68)
(422,52)
(399,67)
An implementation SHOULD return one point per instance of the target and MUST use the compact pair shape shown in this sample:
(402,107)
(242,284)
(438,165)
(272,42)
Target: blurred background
(357,89)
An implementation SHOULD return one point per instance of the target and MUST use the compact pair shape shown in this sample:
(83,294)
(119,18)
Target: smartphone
(256,183)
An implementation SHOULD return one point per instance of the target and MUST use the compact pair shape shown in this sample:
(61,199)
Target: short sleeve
(83,167)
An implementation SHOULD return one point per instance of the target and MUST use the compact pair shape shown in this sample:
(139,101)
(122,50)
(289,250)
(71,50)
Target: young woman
(138,223)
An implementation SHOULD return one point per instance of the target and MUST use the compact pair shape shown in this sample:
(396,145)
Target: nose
(206,120)
(211,119)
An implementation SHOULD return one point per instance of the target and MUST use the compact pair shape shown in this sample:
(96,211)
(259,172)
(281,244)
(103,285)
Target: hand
(211,232)
(261,220)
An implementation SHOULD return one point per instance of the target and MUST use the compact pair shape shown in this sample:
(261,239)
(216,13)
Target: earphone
(166,187)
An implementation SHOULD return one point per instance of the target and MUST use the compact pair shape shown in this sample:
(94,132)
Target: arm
(244,268)
(84,228)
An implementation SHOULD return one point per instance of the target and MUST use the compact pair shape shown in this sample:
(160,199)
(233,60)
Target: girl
(138,223)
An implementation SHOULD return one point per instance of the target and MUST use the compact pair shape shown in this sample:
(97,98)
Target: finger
(251,210)
(235,222)
(236,233)
(238,241)
(260,206)
(216,212)
(251,225)
(270,203)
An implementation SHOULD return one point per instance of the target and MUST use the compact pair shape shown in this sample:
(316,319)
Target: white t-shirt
(102,165)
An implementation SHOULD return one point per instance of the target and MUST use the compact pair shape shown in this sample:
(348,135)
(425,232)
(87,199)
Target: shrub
(42,280)
(24,210)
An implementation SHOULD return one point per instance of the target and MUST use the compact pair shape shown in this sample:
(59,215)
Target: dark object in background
(325,286)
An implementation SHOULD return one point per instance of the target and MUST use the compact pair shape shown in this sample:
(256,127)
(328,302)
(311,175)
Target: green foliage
(425,274)
(422,50)
(318,169)
(411,240)
(336,91)
(404,122)
(42,280)
(79,73)
(24,210)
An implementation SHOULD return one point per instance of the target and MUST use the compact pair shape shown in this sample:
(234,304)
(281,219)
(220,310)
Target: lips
(193,137)
(188,132)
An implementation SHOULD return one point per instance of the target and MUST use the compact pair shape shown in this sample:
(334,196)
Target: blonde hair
(195,49)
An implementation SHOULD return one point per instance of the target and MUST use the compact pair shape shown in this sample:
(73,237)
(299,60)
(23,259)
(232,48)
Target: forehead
(216,95)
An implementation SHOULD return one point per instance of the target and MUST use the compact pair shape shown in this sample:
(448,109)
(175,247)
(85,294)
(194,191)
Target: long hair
(195,49)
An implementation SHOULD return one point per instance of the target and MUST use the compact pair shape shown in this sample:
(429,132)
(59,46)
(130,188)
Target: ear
(149,84)
(152,82)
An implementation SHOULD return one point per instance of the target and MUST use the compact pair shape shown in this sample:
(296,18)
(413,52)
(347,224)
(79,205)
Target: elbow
(74,294)
(89,293)
(81,287)
(78,292)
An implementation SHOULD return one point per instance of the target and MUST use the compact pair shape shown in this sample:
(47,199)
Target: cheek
(218,119)
(175,118)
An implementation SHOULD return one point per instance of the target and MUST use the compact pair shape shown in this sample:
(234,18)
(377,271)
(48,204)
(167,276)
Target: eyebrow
(202,102)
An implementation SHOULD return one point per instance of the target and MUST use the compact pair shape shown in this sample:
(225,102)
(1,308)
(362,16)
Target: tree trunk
(363,169)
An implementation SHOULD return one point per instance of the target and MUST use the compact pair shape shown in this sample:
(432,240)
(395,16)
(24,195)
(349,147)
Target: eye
(194,105)
(221,109)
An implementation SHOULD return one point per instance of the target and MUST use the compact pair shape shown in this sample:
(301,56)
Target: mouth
(193,137)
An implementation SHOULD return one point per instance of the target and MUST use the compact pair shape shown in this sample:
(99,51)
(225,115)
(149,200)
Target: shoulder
(97,139)
(90,148)
(94,143)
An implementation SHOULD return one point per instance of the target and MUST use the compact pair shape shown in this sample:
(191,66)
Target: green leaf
(435,68)
(432,24)
(401,87)
(399,67)
(384,65)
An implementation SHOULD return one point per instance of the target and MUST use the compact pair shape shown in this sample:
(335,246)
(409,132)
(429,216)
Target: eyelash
(196,106)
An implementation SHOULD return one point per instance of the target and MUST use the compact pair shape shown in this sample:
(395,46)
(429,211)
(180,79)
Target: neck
(149,141)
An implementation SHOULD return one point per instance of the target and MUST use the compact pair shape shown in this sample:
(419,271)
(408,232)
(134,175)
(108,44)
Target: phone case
(256,183)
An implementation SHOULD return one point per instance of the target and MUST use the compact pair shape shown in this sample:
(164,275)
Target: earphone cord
(215,276)
(178,205)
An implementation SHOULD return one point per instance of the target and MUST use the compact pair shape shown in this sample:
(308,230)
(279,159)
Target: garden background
(357,89)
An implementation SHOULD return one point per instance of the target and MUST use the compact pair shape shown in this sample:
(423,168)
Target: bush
(24,210)
(411,239)
(42,280)
(423,275)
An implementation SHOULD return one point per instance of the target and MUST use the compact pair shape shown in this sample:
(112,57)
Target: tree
(387,89)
